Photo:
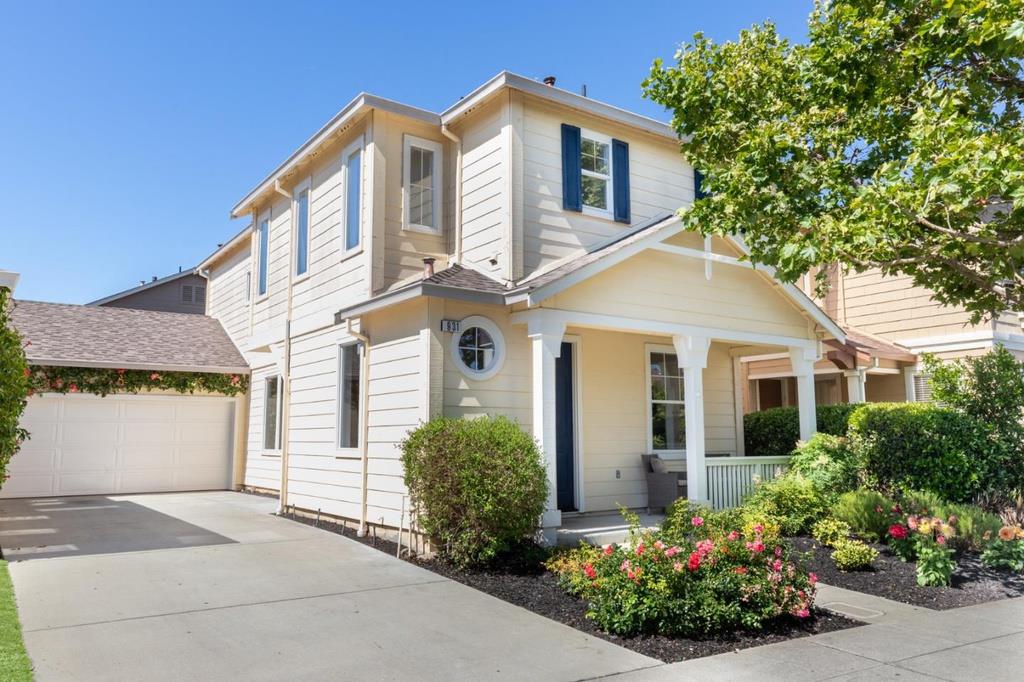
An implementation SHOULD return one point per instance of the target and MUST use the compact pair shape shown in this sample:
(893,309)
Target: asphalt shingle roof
(84,336)
(464,278)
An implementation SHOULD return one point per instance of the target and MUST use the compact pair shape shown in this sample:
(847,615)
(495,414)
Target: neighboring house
(182,292)
(891,322)
(515,254)
(154,441)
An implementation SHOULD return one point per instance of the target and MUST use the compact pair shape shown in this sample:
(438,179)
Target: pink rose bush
(706,580)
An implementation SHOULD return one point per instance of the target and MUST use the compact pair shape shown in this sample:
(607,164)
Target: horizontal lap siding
(261,471)
(227,296)
(485,207)
(660,183)
(894,308)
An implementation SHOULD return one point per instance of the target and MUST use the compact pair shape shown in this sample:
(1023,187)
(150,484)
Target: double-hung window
(262,254)
(667,414)
(352,162)
(349,375)
(272,413)
(421,185)
(302,233)
(596,173)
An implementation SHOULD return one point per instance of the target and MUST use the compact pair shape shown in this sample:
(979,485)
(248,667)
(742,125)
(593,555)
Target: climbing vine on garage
(14,386)
(103,381)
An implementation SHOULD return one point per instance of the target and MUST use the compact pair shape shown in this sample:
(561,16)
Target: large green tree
(892,138)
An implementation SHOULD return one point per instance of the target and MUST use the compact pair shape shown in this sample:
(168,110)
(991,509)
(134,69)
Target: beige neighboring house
(889,324)
(516,254)
(182,292)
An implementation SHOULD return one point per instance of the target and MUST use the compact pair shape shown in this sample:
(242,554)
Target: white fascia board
(9,279)
(238,239)
(983,338)
(505,79)
(143,287)
(362,103)
(157,367)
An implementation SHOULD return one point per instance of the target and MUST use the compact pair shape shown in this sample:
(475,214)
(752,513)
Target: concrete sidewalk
(901,642)
(211,586)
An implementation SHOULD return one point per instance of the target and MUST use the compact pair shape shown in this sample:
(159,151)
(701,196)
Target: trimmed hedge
(919,446)
(775,431)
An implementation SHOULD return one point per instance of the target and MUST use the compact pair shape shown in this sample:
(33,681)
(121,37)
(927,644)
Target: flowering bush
(1006,550)
(705,581)
(103,381)
(926,539)
(853,555)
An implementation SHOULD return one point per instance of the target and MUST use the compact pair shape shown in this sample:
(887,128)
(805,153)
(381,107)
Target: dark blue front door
(565,429)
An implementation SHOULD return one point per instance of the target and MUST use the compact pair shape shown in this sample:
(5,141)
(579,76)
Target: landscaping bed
(529,585)
(892,578)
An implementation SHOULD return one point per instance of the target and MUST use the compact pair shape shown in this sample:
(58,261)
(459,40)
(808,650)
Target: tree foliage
(14,386)
(892,139)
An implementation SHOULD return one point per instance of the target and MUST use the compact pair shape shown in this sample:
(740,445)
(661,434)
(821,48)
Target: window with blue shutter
(698,185)
(572,194)
(620,180)
(595,174)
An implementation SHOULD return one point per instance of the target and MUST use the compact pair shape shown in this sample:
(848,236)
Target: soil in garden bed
(526,583)
(892,578)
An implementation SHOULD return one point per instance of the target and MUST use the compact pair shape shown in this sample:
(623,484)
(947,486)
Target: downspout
(458,189)
(286,382)
(364,409)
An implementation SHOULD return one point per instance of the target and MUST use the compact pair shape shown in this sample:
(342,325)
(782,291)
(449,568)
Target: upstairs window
(422,185)
(248,285)
(595,174)
(262,253)
(302,233)
(353,220)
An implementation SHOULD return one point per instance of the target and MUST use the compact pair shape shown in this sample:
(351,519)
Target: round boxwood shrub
(918,446)
(478,485)
(775,431)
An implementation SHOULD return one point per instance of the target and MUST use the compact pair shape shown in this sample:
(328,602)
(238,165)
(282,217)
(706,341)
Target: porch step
(600,529)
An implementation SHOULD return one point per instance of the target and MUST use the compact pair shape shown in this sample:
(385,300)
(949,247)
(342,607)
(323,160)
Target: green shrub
(935,564)
(791,500)
(831,532)
(703,584)
(775,431)
(867,512)
(826,461)
(1006,550)
(853,555)
(479,485)
(14,386)
(917,446)
(568,565)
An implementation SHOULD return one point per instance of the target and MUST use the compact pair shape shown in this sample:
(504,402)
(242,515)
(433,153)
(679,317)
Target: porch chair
(666,480)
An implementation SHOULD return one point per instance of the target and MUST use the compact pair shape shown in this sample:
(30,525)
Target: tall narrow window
(353,197)
(349,369)
(422,185)
(596,168)
(264,252)
(248,285)
(302,233)
(668,407)
(272,413)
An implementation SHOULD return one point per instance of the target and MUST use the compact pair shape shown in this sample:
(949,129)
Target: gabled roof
(143,287)
(93,336)
(864,346)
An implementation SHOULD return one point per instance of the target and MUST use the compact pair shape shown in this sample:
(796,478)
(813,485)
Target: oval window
(479,348)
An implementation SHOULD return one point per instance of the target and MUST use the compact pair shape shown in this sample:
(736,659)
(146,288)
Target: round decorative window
(479,349)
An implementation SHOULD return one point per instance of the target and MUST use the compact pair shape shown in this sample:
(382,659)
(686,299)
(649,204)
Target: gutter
(458,189)
(287,378)
(364,421)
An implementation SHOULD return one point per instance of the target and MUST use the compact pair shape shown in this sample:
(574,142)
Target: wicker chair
(662,488)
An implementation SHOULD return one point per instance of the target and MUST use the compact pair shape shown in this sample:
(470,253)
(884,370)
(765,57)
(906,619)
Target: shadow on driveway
(42,528)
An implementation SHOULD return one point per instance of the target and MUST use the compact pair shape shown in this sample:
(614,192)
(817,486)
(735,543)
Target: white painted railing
(730,479)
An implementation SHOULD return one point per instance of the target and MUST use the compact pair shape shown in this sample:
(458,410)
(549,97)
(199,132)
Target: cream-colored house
(516,254)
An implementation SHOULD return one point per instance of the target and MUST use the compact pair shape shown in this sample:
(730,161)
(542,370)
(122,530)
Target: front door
(565,428)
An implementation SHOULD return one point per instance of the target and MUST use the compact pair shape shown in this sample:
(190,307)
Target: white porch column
(803,359)
(855,379)
(908,383)
(546,345)
(692,352)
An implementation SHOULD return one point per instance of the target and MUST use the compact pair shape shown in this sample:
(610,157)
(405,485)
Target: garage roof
(88,336)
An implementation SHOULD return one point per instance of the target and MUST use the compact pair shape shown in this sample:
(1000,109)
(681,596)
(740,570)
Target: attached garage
(83,444)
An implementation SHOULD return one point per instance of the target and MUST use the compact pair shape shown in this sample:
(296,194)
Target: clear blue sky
(128,130)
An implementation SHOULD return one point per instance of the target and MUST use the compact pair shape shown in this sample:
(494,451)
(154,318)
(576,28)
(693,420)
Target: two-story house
(517,253)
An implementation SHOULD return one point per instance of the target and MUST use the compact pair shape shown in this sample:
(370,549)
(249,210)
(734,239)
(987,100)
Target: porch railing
(730,479)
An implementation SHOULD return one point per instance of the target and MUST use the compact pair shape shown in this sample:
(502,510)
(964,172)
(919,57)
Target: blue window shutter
(698,185)
(620,180)
(572,184)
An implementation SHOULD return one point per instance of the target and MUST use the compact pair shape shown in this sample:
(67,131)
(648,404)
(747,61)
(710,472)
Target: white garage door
(87,445)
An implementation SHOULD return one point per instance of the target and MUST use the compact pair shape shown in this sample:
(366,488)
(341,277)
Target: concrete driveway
(211,586)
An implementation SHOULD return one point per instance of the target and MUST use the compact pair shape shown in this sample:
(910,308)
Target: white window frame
(345,449)
(266,215)
(593,210)
(649,402)
(408,142)
(356,146)
(248,285)
(280,417)
(499,347)
(304,186)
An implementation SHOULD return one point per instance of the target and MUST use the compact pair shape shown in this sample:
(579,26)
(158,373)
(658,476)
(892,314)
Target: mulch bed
(894,579)
(533,588)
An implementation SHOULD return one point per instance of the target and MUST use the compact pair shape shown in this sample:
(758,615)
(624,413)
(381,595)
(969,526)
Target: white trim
(307,187)
(358,145)
(408,142)
(983,338)
(649,401)
(278,436)
(609,177)
(9,279)
(356,449)
(577,396)
(265,216)
(499,347)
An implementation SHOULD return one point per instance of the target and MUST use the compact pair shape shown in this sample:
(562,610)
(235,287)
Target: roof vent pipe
(428,267)
(549,81)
